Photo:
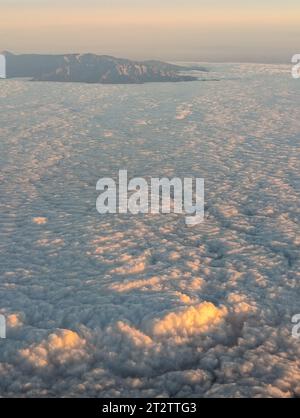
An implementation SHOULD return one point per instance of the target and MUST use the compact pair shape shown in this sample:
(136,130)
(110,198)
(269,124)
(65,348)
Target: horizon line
(175,60)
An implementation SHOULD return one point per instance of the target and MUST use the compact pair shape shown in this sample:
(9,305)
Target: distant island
(91,68)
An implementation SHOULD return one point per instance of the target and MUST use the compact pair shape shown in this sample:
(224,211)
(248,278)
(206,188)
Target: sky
(189,30)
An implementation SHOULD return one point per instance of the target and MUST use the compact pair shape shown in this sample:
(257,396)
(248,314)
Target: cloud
(190,321)
(40,220)
(120,306)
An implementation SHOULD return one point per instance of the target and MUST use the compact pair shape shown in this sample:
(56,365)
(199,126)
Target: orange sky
(200,29)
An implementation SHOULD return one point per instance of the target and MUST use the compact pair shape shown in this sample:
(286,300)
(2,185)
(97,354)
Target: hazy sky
(217,30)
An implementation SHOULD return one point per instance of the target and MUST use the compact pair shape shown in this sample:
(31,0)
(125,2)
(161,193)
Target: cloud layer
(142,305)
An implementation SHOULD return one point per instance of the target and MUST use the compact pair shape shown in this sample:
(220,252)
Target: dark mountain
(91,68)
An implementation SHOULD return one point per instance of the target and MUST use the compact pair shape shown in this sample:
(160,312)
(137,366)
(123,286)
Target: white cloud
(141,305)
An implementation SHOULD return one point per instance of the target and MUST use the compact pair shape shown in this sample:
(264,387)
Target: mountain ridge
(92,68)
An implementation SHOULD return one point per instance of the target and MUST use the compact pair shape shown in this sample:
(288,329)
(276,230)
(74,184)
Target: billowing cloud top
(142,305)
